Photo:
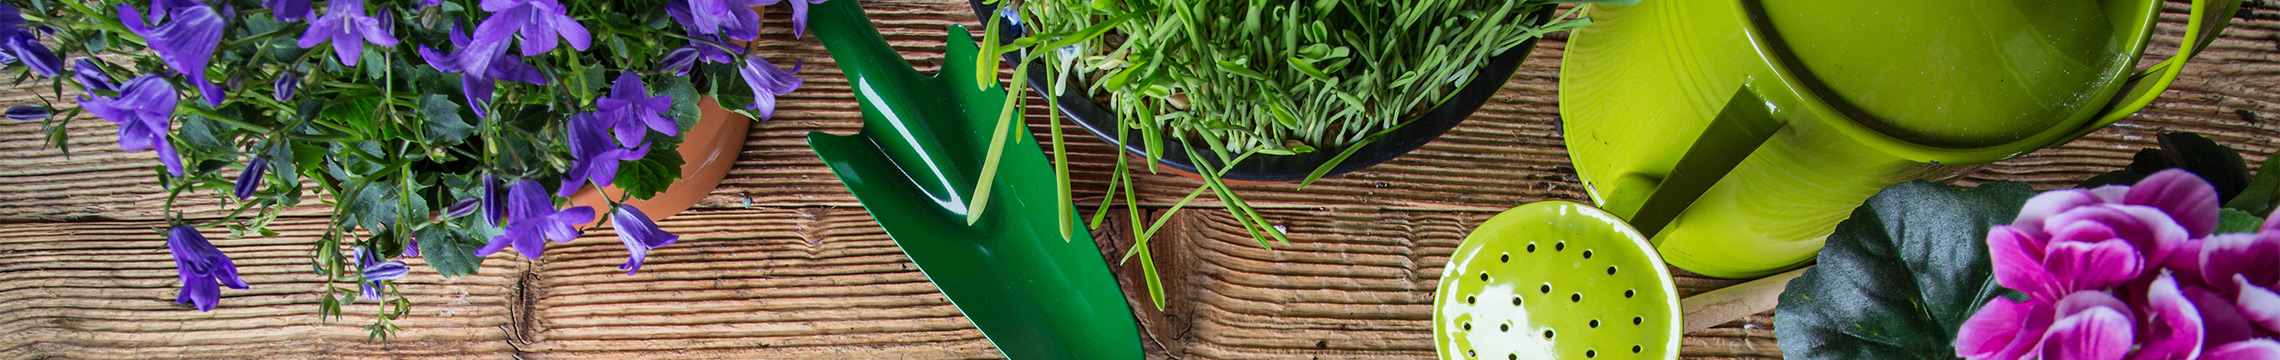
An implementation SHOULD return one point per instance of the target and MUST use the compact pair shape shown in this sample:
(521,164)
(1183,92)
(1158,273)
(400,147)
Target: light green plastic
(1555,280)
(1032,293)
(1840,99)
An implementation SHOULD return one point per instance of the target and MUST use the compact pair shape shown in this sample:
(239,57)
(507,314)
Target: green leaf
(684,95)
(203,135)
(452,252)
(375,205)
(1897,279)
(444,126)
(644,178)
(356,114)
(2230,221)
(2261,192)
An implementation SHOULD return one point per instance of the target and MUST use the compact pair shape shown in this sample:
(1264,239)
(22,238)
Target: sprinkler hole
(1547,288)
(1512,356)
(1561,246)
(1515,301)
(1504,327)
(1595,323)
(1547,334)
(1587,254)
(1504,258)
(1635,349)
(1636,320)
(1531,247)
(1470,354)
(1469,299)
(1468,326)
(1577,297)
(1629,293)
(1591,353)
(1484,276)
(1611,270)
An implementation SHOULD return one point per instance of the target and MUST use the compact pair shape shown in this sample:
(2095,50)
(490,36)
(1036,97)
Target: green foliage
(2222,166)
(1899,277)
(643,179)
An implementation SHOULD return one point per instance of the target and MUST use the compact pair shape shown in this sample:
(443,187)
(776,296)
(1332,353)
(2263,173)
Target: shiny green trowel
(1035,294)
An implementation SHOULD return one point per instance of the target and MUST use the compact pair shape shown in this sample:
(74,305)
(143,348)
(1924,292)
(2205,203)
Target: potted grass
(448,130)
(1235,91)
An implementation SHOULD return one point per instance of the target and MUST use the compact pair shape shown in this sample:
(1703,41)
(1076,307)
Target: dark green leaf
(450,251)
(643,179)
(2258,197)
(375,206)
(2230,221)
(684,95)
(1897,279)
(203,135)
(444,126)
(2221,166)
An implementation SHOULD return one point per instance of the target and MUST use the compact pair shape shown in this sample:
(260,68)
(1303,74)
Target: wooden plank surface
(804,273)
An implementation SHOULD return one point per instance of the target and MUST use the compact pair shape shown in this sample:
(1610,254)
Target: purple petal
(2003,330)
(2172,330)
(2097,333)
(2082,266)
(35,55)
(2257,349)
(2018,264)
(799,18)
(249,181)
(2258,304)
(2220,322)
(282,90)
(527,200)
(2148,229)
(679,61)
(2253,255)
(2187,199)
(288,10)
(478,91)
(494,204)
(168,157)
(186,43)
(29,113)
(2045,205)
(499,242)
(639,235)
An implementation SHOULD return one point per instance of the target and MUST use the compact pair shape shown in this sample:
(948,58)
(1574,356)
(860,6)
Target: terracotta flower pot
(707,152)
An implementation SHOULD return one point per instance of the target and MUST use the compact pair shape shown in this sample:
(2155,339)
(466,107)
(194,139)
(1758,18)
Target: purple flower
(679,61)
(2256,349)
(186,43)
(639,234)
(594,157)
(19,43)
(630,111)
(478,65)
(374,270)
(288,10)
(799,15)
(29,113)
(2072,240)
(203,268)
(494,203)
(732,18)
(141,110)
(282,90)
(249,180)
(465,206)
(346,25)
(532,219)
(91,76)
(767,81)
(538,21)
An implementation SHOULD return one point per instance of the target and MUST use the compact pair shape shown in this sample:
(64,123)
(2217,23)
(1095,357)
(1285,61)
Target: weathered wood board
(802,272)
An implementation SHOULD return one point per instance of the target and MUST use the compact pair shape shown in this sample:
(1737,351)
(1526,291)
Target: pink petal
(2080,266)
(2045,205)
(2002,330)
(2258,304)
(2257,349)
(2172,328)
(2254,255)
(2098,333)
(2187,198)
(2018,265)
(2220,322)
(2147,228)
(2185,262)
(2111,193)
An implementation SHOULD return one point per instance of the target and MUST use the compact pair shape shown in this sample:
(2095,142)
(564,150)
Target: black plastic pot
(1096,118)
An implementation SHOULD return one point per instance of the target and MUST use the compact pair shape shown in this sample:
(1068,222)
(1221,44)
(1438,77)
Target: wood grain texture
(804,272)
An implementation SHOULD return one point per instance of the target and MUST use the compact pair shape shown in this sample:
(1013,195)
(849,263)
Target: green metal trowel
(1033,293)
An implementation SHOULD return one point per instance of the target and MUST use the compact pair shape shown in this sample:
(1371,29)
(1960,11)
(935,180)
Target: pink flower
(2129,272)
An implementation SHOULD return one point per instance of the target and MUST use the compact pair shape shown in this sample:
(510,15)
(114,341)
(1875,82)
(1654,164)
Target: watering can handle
(2209,17)
(1746,123)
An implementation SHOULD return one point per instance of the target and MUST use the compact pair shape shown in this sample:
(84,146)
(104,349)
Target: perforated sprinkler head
(1555,280)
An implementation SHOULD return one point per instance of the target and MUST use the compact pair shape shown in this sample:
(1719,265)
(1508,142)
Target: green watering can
(1033,293)
(1737,133)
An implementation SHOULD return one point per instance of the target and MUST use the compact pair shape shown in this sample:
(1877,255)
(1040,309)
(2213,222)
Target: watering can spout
(1746,123)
